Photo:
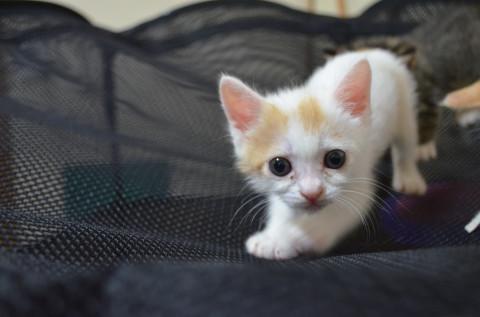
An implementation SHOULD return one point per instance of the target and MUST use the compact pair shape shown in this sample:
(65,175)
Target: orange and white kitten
(311,149)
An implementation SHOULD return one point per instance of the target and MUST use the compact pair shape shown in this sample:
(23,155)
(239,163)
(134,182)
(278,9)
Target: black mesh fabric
(117,191)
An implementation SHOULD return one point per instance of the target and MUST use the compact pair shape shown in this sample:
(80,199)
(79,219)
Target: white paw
(466,118)
(409,182)
(279,247)
(426,151)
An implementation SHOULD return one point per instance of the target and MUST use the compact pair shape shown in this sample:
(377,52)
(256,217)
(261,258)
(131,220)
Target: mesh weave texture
(117,191)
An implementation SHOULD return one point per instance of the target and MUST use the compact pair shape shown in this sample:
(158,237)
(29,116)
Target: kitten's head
(300,145)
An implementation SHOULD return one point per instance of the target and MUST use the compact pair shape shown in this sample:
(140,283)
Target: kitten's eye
(335,159)
(280,166)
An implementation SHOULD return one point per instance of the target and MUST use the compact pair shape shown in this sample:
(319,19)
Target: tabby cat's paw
(427,151)
(466,118)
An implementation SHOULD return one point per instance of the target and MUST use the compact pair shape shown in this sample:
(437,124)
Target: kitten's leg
(406,176)
(281,238)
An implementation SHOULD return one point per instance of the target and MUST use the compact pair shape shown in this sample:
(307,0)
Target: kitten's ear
(241,103)
(354,90)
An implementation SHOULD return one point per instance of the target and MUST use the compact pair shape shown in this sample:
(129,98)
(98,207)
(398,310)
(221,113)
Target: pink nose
(312,197)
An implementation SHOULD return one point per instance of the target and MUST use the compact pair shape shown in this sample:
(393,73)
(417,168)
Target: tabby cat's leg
(427,122)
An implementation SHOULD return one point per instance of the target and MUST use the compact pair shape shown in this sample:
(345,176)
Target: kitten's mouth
(317,206)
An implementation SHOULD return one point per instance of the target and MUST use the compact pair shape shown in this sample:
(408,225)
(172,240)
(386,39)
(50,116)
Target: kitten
(311,149)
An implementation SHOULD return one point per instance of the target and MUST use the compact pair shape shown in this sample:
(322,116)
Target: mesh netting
(116,172)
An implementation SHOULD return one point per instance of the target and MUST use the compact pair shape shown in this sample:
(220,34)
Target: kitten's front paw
(267,246)
(409,182)
(426,151)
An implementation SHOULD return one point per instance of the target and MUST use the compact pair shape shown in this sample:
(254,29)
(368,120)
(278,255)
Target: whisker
(260,209)
(355,211)
(376,199)
(244,187)
(254,196)
(383,188)
(377,185)
(244,197)
(262,220)
(389,207)
(366,215)
(249,212)
(374,182)
(372,199)
(376,169)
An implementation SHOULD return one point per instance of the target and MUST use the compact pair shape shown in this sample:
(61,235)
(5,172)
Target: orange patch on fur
(311,115)
(272,123)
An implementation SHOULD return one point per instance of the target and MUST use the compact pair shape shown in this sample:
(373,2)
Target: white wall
(122,14)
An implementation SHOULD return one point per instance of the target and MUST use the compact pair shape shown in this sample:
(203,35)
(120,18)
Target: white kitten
(311,149)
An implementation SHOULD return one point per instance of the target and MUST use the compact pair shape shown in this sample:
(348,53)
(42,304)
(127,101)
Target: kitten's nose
(312,196)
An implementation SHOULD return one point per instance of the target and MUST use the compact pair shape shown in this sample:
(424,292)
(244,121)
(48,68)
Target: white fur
(467,117)
(291,227)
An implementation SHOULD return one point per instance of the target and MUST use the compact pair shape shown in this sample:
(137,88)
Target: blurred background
(118,15)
